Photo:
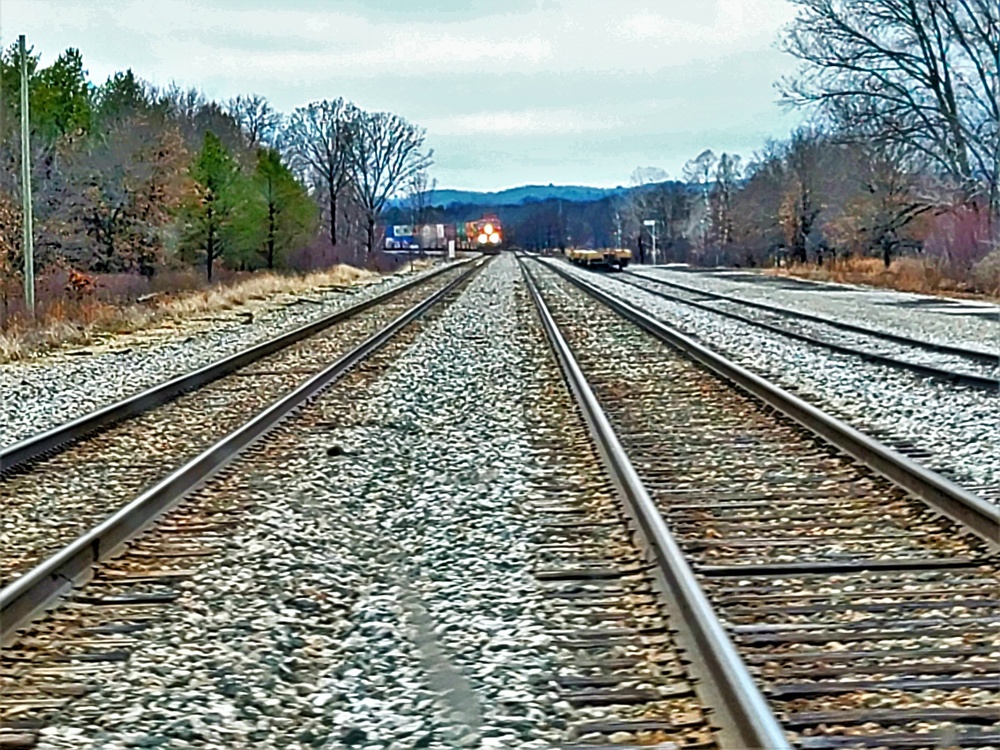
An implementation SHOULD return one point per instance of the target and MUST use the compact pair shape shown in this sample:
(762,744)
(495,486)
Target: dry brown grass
(421,264)
(84,321)
(919,275)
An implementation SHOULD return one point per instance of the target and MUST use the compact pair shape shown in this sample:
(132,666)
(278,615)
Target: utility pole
(29,241)
(995,188)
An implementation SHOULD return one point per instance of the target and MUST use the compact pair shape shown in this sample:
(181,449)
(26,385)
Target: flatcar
(615,257)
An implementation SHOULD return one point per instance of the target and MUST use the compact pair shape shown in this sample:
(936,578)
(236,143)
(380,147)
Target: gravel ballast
(382,597)
(956,425)
(45,392)
(374,581)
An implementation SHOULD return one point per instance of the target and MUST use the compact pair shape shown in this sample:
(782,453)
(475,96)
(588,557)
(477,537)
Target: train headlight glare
(488,229)
(482,239)
(495,238)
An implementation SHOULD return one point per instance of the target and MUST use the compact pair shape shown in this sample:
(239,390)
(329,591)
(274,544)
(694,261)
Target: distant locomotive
(485,234)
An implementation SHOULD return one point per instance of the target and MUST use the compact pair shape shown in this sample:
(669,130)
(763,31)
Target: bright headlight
(495,238)
(488,229)
(482,239)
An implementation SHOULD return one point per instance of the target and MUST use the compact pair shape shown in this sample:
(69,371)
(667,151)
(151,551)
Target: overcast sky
(511,92)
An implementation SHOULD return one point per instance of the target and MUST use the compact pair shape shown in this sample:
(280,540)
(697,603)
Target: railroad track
(144,557)
(65,481)
(64,514)
(865,615)
(952,363)
(628,672)
(46,444)
(638,675)
(619,676)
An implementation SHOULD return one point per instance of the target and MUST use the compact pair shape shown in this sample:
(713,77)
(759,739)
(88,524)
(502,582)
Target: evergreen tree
(122,96)
(212,216)
(60,98)
(289,215)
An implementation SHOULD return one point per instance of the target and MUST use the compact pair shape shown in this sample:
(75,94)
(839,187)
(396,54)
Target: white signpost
(651,223)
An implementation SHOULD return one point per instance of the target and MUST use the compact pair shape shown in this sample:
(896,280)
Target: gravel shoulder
(45,392)
(956,425)
(942,320)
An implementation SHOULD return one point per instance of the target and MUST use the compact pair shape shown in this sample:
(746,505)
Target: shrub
(986,274)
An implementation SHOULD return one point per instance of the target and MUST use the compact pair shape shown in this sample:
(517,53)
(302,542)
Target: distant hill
(521,195)
(540,216)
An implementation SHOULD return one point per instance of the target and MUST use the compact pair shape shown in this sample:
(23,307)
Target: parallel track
(50,500)
(955,364)
(50,442)
(614,659)
(42,585)
(865,618)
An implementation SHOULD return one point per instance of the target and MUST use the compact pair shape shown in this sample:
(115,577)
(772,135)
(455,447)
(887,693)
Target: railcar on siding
(615,257)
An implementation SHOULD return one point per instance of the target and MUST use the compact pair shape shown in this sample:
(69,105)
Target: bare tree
(384,155)
(728,172)
(655,197)
(419,189)
(698,171)
(648,176)
(637,207)
(256,118)
(352,222)
(916,73)
(180,104)
(756,228)
(800,206)
(881,201)
(195,116)
(119,196)
(698,174)
(318,138)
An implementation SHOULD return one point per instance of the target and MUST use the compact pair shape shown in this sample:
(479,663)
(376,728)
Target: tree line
(901,153)
(131,178)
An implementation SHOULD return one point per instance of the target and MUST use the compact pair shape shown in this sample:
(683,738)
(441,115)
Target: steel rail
(941,494)
(990,358)
(741,712)
(25,598)
(50,441)
(966,378)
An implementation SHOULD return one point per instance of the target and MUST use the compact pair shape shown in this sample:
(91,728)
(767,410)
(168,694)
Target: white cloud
(713,22)
(526,122)
(410,56)
(599,86)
